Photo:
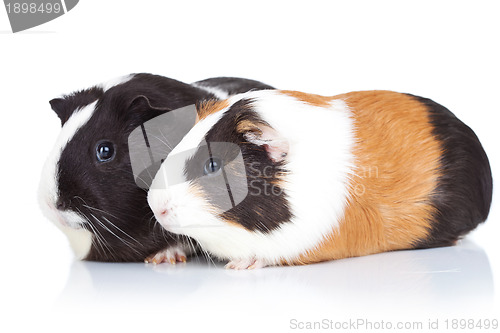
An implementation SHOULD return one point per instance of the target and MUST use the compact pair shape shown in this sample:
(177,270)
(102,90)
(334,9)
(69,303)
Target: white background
(448,51)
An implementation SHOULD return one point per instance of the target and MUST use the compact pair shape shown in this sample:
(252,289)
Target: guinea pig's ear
(260,134)
(59,105)
(142,102)
(141,109)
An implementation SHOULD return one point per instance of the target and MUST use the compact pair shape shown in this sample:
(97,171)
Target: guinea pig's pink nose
(160,203)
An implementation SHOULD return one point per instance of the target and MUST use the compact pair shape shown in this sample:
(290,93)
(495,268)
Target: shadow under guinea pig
(451,279)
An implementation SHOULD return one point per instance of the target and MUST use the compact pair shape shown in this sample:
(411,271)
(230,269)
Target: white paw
(252,263)
(173,255)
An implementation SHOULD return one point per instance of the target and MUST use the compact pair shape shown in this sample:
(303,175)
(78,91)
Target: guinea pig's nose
(160,204)
(61,205)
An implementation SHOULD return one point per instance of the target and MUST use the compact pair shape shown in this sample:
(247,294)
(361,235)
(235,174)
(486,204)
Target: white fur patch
(320,160)
(116,81)
(197,133)
(217,92)
(69,222)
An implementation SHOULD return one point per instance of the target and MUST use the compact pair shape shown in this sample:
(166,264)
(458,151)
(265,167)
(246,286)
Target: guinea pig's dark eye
(212,165)
(105,151)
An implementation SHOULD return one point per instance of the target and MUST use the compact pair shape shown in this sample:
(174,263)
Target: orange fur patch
(209,107)
(196,191)
(397,161)
(247,126)
(316,100)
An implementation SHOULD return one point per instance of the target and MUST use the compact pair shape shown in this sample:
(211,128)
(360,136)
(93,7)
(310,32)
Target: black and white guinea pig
(323,177)
(87,186)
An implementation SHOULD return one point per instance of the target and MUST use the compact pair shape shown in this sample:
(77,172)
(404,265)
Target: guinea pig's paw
(252,263)
(173,255)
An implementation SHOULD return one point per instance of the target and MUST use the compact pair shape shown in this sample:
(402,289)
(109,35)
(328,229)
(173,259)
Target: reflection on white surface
(453,279)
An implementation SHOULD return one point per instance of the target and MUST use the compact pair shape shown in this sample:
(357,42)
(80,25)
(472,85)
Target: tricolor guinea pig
(286,178)
(87,186)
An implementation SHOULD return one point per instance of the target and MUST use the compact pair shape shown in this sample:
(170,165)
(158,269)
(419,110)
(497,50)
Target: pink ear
(277,147)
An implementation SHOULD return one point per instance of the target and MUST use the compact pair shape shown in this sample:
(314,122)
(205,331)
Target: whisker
(111,232)
(166,143)
(98,239)
(95,240)
(98,236)
(80,198)
(107,220)
(144,182)
(100,210)
(205,253)
(209,257)
(189,242)
(132,238)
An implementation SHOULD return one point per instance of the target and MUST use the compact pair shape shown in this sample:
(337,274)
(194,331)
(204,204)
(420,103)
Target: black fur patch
(105,193)
(464,193)
(266,206)
(65,106)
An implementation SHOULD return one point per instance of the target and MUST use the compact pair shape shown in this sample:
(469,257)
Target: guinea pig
(87,187)
(288,178)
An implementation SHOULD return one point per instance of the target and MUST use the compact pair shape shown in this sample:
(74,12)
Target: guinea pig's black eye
(105,151)
(212,165)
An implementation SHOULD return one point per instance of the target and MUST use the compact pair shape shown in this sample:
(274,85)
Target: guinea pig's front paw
(173,255)
(251,263)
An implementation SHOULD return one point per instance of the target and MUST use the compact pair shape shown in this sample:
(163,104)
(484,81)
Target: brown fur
(247,126)
(397,161)
(315,100)
(209,107)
